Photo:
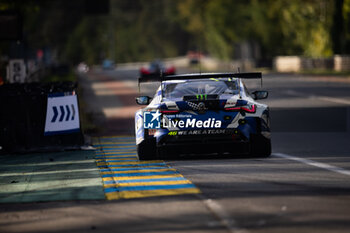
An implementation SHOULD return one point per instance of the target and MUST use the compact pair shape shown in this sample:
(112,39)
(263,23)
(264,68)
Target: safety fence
(39,117)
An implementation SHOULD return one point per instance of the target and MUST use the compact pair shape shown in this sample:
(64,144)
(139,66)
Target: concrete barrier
(317,63)
(280,63)
(342,62)
(207,63)
(287,63)
(175,61)
(298,63)
(214,64)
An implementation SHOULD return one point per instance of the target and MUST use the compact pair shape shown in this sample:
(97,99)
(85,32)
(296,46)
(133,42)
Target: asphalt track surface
(303,187)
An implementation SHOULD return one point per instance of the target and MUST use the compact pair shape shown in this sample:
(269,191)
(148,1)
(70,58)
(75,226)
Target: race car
(157,68)
(202,114)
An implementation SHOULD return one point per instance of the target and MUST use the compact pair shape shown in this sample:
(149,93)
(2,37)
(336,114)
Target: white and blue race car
(200,114)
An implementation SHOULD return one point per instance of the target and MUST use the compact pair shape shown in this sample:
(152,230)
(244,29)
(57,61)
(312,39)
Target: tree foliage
(143,30)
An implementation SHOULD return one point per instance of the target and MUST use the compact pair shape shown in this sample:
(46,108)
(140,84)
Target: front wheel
(260,146)
(146,150)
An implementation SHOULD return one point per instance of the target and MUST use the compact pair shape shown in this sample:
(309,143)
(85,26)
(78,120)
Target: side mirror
(143,100)
(258,95)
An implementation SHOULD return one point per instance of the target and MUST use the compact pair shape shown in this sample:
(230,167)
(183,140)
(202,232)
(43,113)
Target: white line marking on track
(324,98)
(314,163)
(222,215)
(334,100)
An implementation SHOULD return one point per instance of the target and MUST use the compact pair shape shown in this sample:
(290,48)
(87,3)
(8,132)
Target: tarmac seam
(219,212)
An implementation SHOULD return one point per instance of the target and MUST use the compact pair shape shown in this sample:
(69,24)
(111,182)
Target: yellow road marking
(146,166)
(139,171)
(116,153)
(147,183)
(112,148)
(142,177)
(115,157)
(119,158)
(130,163)
(150,193)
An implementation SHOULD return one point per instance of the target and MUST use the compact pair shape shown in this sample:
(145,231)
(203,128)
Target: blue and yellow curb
(124,176)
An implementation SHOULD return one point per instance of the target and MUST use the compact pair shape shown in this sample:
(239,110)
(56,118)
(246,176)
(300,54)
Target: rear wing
(160,78)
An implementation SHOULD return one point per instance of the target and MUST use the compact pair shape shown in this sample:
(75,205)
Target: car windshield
(156,66)
(195,87)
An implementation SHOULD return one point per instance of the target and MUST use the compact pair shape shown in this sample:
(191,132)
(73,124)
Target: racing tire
(260,146)
(146,150)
